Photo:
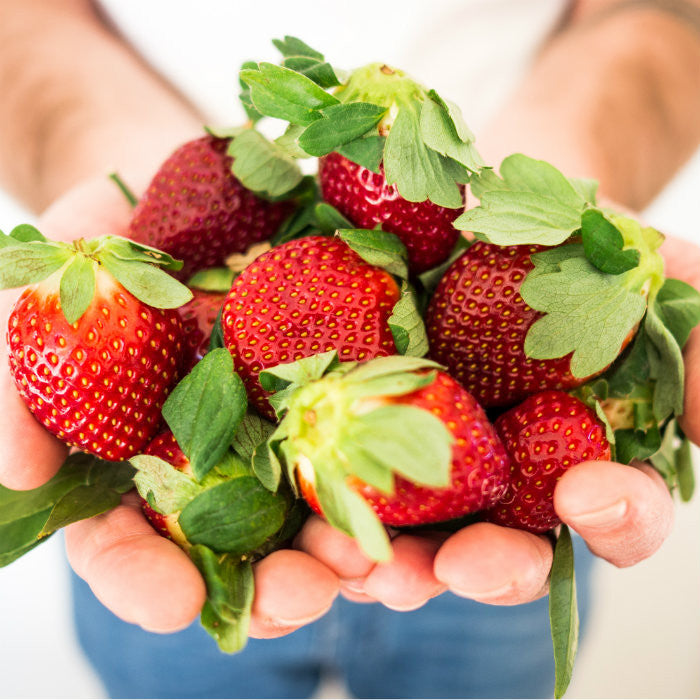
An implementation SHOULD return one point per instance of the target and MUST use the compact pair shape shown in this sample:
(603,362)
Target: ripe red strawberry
(305,297)
(98,383)
(198,318)
(477,472)
(386,441)
(196,210)
(477,322)
(544,436)
(365,198)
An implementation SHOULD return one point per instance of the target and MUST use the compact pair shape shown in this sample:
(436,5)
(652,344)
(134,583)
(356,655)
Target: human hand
(130,568)
(624,514)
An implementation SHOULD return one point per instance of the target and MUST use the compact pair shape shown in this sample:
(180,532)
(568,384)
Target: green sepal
(329,219)
(367,152)
(563,612)
(166,488)
(298,373)
(587,312)
(533,203)
(418,172)
(251,432)
(603,244)
(230,591)
(262,165)
(244,96)
(631,444)
(132,251)
(146,282)
(431,278)
(285,94)
(406,324)
(439,125)
(77,287)
(83,487)
(339,124)
(26,233)
(684,470)
(300,57)
(266,463)
(378,248)
(381,367)
(678,306)
(236,516)
(212,279)
(204,410)
(23,263)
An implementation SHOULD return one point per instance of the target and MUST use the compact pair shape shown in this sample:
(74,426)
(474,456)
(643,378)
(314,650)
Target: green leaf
(378,248)
(20,536)
(252,432)
(366,527)
(299,372)
(263,166)
(204,410)
(603,244)
(407,325)
(367,152)
(407,440)
(132,251)
(266,466)
(146,282)
(340,124)
(636,444)
(632,372)
(289,141)
(244,96)
(79,504)
(588,313)
(77,287)
(532,203)
(386,366)
(216,340)
(664,459)
(440,133)
(419,172)
(329,219)
(678,305)
(213,279)
(236,516)
(364,465)
(684,464)
(169,488)
(29,263)
(292,46)
(230,592)
(563,612)
(586,188)
(666,366)
(26,233)
(282,93)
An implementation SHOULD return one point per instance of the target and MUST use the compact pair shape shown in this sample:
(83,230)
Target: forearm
(77,102)
(614,96)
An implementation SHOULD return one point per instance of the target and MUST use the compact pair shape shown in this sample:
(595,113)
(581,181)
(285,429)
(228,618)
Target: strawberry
(196,210)
(304,297)
(95,347)
(544,436)
(198,318)
(367,200)
(477,322)
(388,441)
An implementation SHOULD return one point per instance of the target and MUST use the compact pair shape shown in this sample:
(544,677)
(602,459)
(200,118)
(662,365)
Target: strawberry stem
(125,190)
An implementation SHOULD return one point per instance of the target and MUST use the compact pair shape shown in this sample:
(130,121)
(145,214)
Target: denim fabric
(449,648)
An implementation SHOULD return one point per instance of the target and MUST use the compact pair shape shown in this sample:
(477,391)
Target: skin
(53,154)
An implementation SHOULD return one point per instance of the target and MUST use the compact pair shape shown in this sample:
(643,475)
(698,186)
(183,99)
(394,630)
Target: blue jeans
(450,648)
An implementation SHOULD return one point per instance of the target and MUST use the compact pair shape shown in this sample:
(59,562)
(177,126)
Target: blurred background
(644,636)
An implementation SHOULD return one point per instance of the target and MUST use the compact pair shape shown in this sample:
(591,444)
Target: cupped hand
(624,513)
(139,575)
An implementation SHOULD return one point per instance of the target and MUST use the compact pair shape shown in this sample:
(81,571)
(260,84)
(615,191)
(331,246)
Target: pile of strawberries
(395,371)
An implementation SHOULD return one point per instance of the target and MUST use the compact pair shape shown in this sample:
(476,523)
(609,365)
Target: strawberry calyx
(340,429)
(28,257)
(376,117)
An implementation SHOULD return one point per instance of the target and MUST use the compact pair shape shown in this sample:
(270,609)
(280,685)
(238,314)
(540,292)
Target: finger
(407,581)
(494,564)
(624,513)
(140,576)
(292,589)
(690,420)
(335,549)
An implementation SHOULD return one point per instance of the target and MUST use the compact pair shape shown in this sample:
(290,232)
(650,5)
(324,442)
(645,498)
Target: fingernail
(485,596)
(604,517)
(301,621)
